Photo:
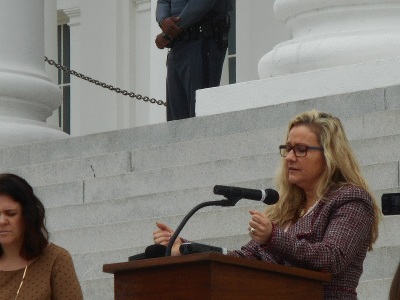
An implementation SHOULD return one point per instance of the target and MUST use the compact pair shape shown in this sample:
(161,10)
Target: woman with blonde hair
(326,218)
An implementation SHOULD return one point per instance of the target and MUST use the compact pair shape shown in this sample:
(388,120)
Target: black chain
(104,85)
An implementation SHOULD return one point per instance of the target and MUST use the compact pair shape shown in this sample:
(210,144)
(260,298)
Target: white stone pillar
(150,65)
(27,96)
(329,33)
(158,71)
(74,16)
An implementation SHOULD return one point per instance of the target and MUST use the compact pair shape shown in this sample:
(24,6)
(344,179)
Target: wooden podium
(213,276)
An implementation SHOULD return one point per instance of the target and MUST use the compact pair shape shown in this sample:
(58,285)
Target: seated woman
(326,218)
(30,267)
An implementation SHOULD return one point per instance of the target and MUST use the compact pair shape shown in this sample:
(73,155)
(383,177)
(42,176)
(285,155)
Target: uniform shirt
(50,277)
(190,11)
(334,237)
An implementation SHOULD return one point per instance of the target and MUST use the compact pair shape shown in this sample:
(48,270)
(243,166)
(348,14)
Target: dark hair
(36,235)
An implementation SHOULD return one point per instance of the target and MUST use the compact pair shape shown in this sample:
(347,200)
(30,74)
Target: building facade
(113,42)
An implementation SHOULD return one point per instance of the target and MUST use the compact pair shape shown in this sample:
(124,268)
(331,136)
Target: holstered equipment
(216,27)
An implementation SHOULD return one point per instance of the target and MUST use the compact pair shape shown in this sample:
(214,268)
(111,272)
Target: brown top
(50,277)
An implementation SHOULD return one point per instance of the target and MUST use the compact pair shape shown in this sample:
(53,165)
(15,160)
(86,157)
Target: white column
(257,32)
(150,65)
(50,48)
(74,16)
(328,34)
(50,37)
(125,62)
(27,96)
(158,71)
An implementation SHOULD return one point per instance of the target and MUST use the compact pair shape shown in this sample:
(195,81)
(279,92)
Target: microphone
(268,196)
(233,195)
(152,251)
(189,248)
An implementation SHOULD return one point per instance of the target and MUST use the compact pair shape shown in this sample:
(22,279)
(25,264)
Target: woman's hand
(260,227)
(162,237)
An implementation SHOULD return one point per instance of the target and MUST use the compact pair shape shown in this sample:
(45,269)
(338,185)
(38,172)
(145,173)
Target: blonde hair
(341,168)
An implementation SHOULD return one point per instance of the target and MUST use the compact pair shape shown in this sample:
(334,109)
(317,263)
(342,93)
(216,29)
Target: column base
(15,131)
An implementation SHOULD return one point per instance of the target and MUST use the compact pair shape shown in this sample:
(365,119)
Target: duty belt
(216,27)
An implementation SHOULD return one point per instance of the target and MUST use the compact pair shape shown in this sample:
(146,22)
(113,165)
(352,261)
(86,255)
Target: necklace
(22,281)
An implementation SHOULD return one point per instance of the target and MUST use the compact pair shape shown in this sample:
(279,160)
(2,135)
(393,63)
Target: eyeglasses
(298,150)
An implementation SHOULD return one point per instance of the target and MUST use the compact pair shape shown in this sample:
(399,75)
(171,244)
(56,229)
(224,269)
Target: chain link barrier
(104,85)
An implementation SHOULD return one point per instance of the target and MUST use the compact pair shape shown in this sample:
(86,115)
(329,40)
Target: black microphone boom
(268,196)
(233,195)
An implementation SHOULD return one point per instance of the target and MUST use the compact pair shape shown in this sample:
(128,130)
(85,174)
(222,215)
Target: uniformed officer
(197,34)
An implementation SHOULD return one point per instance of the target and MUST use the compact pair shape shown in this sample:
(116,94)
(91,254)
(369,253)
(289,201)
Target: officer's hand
(168,25)
(161,42)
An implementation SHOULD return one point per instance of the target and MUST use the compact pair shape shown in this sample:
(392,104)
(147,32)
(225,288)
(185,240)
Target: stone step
(98,289)
(137,207)
(89,266)
(190,153)
(75,169)
(368,151)
(117,163)
(78,192)
(379,176)
(214,223)
(263,141)
(136,233)
(132,197)
(381,262)
(63,194)
(364,114)
(148,206)
(389,234)
(377,289)
(371,125)
(206,150)
(104,192)
(377,150)
(176,178)
(232,146)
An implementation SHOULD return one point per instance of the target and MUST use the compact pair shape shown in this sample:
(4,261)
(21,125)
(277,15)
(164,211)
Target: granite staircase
(104,192)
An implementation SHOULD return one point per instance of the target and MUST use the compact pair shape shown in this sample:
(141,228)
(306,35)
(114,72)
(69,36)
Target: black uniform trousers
(191,65)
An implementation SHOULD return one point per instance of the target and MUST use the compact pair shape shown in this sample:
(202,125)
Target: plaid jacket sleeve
(329,238)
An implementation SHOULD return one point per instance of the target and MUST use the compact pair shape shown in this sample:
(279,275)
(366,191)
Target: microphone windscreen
(155,250)
(272,196)
(137,256)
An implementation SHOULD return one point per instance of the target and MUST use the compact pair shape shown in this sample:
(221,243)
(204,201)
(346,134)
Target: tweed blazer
(333,237)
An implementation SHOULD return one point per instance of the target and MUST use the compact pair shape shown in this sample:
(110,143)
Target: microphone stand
(230,201)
